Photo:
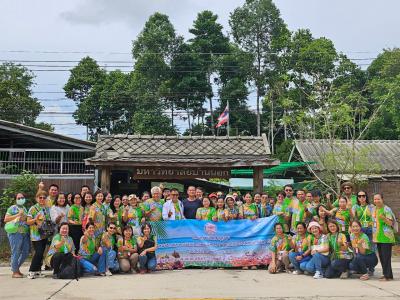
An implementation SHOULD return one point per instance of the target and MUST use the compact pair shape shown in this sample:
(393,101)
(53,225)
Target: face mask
(20,202)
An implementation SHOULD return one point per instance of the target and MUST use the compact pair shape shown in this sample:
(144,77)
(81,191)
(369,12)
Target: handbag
(46,229)
(12,226)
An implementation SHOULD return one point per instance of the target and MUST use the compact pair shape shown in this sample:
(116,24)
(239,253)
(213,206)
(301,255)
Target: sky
(49,30)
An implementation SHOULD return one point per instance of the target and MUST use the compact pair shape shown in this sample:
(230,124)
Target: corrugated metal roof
(385,154)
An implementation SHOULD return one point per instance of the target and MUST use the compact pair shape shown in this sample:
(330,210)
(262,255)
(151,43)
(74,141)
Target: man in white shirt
(173,208)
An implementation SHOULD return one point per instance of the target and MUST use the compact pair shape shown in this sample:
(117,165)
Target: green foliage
(346,162)
(25,183)
(17,103)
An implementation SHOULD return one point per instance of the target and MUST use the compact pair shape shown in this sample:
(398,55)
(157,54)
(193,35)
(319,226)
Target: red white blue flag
(223,118)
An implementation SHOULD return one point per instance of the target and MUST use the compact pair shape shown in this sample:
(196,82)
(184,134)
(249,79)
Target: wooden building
(127,162)
(54,158)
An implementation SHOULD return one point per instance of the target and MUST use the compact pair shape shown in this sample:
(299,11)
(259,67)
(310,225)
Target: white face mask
(21,201)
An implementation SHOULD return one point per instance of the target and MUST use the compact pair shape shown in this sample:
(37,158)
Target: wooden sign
(179,173)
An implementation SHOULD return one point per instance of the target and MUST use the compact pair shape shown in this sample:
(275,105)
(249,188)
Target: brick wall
(390,190)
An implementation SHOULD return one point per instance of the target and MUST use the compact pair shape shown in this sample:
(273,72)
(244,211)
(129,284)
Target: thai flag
(224,117)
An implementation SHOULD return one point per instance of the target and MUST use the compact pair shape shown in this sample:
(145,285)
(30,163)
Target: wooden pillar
(258,179)
(105,179)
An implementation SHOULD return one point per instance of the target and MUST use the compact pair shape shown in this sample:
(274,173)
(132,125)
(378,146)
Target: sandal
(364,277)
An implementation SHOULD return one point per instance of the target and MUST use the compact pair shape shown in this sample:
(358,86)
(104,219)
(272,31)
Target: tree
(85,77)
(17,103)
(383,86)
(25,183)
(153,52)
(259,30)
(210,43)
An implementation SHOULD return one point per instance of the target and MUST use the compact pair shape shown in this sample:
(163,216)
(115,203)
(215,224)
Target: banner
(194,243)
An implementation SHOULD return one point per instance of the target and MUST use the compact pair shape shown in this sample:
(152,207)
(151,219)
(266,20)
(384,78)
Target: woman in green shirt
(75,218)
(365,259)
(362,212)
(61,248)
(207,212)
(279,247)
(127,251)
(340,254)
(383,235)
(249,209)
(282,211)
(18,234)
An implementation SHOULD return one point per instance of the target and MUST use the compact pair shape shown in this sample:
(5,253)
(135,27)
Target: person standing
(383,235)
(191,203)
(362,212)
(173,208)
(298,210)
(53,193)
(18,234)
(37,215)
(153,207)
(59,211)
(347,192)
(75,218)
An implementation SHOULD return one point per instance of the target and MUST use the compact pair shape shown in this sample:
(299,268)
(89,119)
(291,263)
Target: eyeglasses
(361,196)
(113,228)
(42,197)
(174,194)
(347,188)
(288,190)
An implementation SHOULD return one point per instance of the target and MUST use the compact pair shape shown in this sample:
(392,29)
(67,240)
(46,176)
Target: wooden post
(105,179)
(258,179)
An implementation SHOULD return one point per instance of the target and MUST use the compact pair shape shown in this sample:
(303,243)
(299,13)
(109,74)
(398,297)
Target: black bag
(70,268)
(46,229)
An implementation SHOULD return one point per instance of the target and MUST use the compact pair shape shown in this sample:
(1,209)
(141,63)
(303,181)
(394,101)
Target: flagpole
(229,116)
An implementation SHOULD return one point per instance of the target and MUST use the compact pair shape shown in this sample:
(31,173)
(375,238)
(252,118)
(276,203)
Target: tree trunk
(272,126)
(258,113)
(212,117)
(284,124)
(172,114)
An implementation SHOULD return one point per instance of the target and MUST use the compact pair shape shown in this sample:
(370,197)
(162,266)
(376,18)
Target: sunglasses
(361,196)
(288,190)
(113,228)
(174,194)
(42,197)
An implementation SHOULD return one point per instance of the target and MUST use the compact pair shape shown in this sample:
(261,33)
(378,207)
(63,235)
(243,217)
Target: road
(196,283)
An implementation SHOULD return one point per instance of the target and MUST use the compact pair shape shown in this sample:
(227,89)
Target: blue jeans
(318,262)
(362,263)
(337,267)
(97,263)
(147,263)
(112,261)
(20,244)
(296,263)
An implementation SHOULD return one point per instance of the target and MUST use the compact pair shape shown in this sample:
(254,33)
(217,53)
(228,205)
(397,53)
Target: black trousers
(58,259)
(75,232)
(37,259)
(385,257)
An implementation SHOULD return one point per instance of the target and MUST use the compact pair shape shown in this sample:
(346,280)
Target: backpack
(70,268)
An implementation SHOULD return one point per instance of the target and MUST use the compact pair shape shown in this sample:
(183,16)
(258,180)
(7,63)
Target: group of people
(332,240)
(109,234)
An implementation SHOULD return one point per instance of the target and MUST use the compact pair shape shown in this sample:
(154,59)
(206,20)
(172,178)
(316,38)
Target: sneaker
(40,274)
(108,273)
(31,275)
(297,272)
(344,275)
(318,275)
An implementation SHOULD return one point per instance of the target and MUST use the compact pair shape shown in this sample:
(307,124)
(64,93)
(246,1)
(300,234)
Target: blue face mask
(21,201)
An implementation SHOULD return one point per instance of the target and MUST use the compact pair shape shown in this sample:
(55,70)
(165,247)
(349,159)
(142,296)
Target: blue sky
(51,30)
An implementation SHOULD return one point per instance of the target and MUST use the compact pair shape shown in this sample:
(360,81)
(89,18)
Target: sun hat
(312,224)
